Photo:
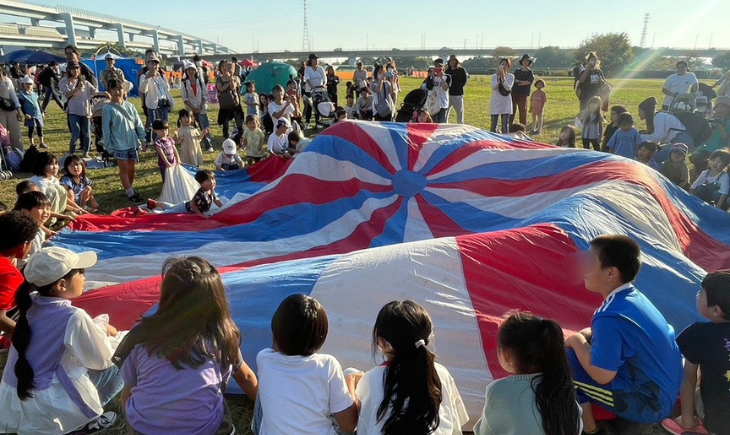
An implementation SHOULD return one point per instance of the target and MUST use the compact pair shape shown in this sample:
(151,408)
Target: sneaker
(104,421)
(135,198)
(210,149)
(671,426)
(43,145)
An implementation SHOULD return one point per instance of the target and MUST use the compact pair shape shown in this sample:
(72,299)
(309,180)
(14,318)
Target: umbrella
(31,57)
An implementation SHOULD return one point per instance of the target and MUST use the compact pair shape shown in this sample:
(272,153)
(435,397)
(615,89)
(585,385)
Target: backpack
(695,125)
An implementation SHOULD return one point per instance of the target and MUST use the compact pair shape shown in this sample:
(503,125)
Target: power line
(305,40)
(642,44)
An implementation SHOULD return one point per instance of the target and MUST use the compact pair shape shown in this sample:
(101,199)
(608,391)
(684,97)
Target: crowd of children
(172,368)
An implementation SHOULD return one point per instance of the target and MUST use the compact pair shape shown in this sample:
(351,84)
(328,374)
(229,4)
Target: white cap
(188,64)
(229,146)
(283,121)
(28,80)
(51,264)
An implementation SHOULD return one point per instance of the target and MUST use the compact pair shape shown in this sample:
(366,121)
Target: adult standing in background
(591,80)
(314,77)
(521,90)
(11,118)
(157,96)
(236,67)
(195,98)
(459,78)
(73,55)
(439,83)
(111,72)
(229,100)
(360,77)
(681,82)
(49,79)
(501,102)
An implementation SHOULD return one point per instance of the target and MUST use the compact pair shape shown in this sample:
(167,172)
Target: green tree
(613,49)
(722,61)
(500,52)
(553,57)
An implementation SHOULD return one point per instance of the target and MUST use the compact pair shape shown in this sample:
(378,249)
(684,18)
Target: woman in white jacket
(501,102)
(156,92)
(195,97)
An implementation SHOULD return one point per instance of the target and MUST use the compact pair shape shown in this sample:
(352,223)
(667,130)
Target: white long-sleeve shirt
(666,126)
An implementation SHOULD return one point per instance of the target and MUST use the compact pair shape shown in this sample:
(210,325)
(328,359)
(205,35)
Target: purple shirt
(169,401)
(168,149)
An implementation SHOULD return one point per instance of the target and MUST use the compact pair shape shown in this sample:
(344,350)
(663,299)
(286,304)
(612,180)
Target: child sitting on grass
(36,206)
(18,231)
(566,138)
(627,139)
(253,140)
(228,159)
(645,154)
(77,184)
(45,170)
(706,349)
(675,168)
(713,185)
(27,186)
(279,141)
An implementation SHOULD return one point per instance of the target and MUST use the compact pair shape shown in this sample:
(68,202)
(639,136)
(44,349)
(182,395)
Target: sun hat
(109,56)
(680,148)
(313,56)
(188,65)
(526,57)
(53,263)
(152,57)
(72,64)
(27,80)
(229,146)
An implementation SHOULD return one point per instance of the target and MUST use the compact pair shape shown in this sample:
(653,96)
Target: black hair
(16,229)
(277,87)
(40,162)
(196,58)
(412,388)
(183,113)
(294,136)
(73,49)
(537,346)
(620,252)
(340,112)
(539,81)
(31,200)
(204,175)
(22,334)
(717,289)
(114,84)
(724,156)
(514,128)
(23,187)
(625,119)
(74,159)
(618,110)
(299,326)
(160,124)
(233,59)
(250,118)
(648,106)
(650,145)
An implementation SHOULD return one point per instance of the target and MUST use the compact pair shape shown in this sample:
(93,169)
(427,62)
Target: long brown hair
(193,321)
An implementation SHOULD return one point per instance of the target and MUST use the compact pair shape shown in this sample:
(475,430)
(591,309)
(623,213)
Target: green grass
(561,108)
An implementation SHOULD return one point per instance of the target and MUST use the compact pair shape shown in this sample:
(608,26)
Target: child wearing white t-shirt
(300,390)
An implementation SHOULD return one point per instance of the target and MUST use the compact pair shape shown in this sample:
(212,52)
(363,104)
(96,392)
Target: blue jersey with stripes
(632,338)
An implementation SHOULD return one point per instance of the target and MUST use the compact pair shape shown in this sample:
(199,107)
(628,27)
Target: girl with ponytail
(538,399)
(409,393)
(59,373)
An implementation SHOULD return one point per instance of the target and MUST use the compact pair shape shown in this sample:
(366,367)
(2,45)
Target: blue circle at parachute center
(408,183)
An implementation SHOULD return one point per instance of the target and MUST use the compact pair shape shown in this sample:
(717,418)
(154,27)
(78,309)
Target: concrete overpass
(56,27)
(444,52)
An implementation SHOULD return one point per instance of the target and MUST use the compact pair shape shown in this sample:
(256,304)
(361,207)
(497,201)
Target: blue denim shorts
(130,154)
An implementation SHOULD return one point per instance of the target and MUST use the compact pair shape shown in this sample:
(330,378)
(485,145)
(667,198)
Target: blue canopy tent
(267,75)
(31,57)
(129,67)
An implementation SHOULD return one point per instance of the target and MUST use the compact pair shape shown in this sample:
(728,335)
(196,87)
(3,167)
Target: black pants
(588,142)
(50,92)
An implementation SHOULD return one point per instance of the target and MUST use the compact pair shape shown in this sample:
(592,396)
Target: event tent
(31,57)
(129,66)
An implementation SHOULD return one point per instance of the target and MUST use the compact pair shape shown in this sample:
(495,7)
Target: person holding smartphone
(441,85)
(590,81)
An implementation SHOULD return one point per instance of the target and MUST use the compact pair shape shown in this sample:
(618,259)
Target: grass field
(561,109)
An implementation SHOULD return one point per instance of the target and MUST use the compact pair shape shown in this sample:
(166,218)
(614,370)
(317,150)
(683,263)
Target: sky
(245,26)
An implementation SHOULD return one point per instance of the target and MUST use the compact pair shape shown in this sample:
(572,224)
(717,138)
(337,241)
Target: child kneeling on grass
(59,373)
(706,348)
(627,362)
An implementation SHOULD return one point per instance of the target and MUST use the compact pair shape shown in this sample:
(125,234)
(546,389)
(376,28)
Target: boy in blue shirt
(626,140)
(706,346)
(627,361)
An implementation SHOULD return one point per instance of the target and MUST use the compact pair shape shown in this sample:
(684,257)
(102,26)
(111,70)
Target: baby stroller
(97,109)
(322,105)
(412,103)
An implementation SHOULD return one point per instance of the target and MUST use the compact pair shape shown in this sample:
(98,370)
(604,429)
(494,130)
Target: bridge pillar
(70,32)
(155,40)
(199,43)
(120,33)
(92,32)
(352,60)
(215,48)
(35,22)
(180,45)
